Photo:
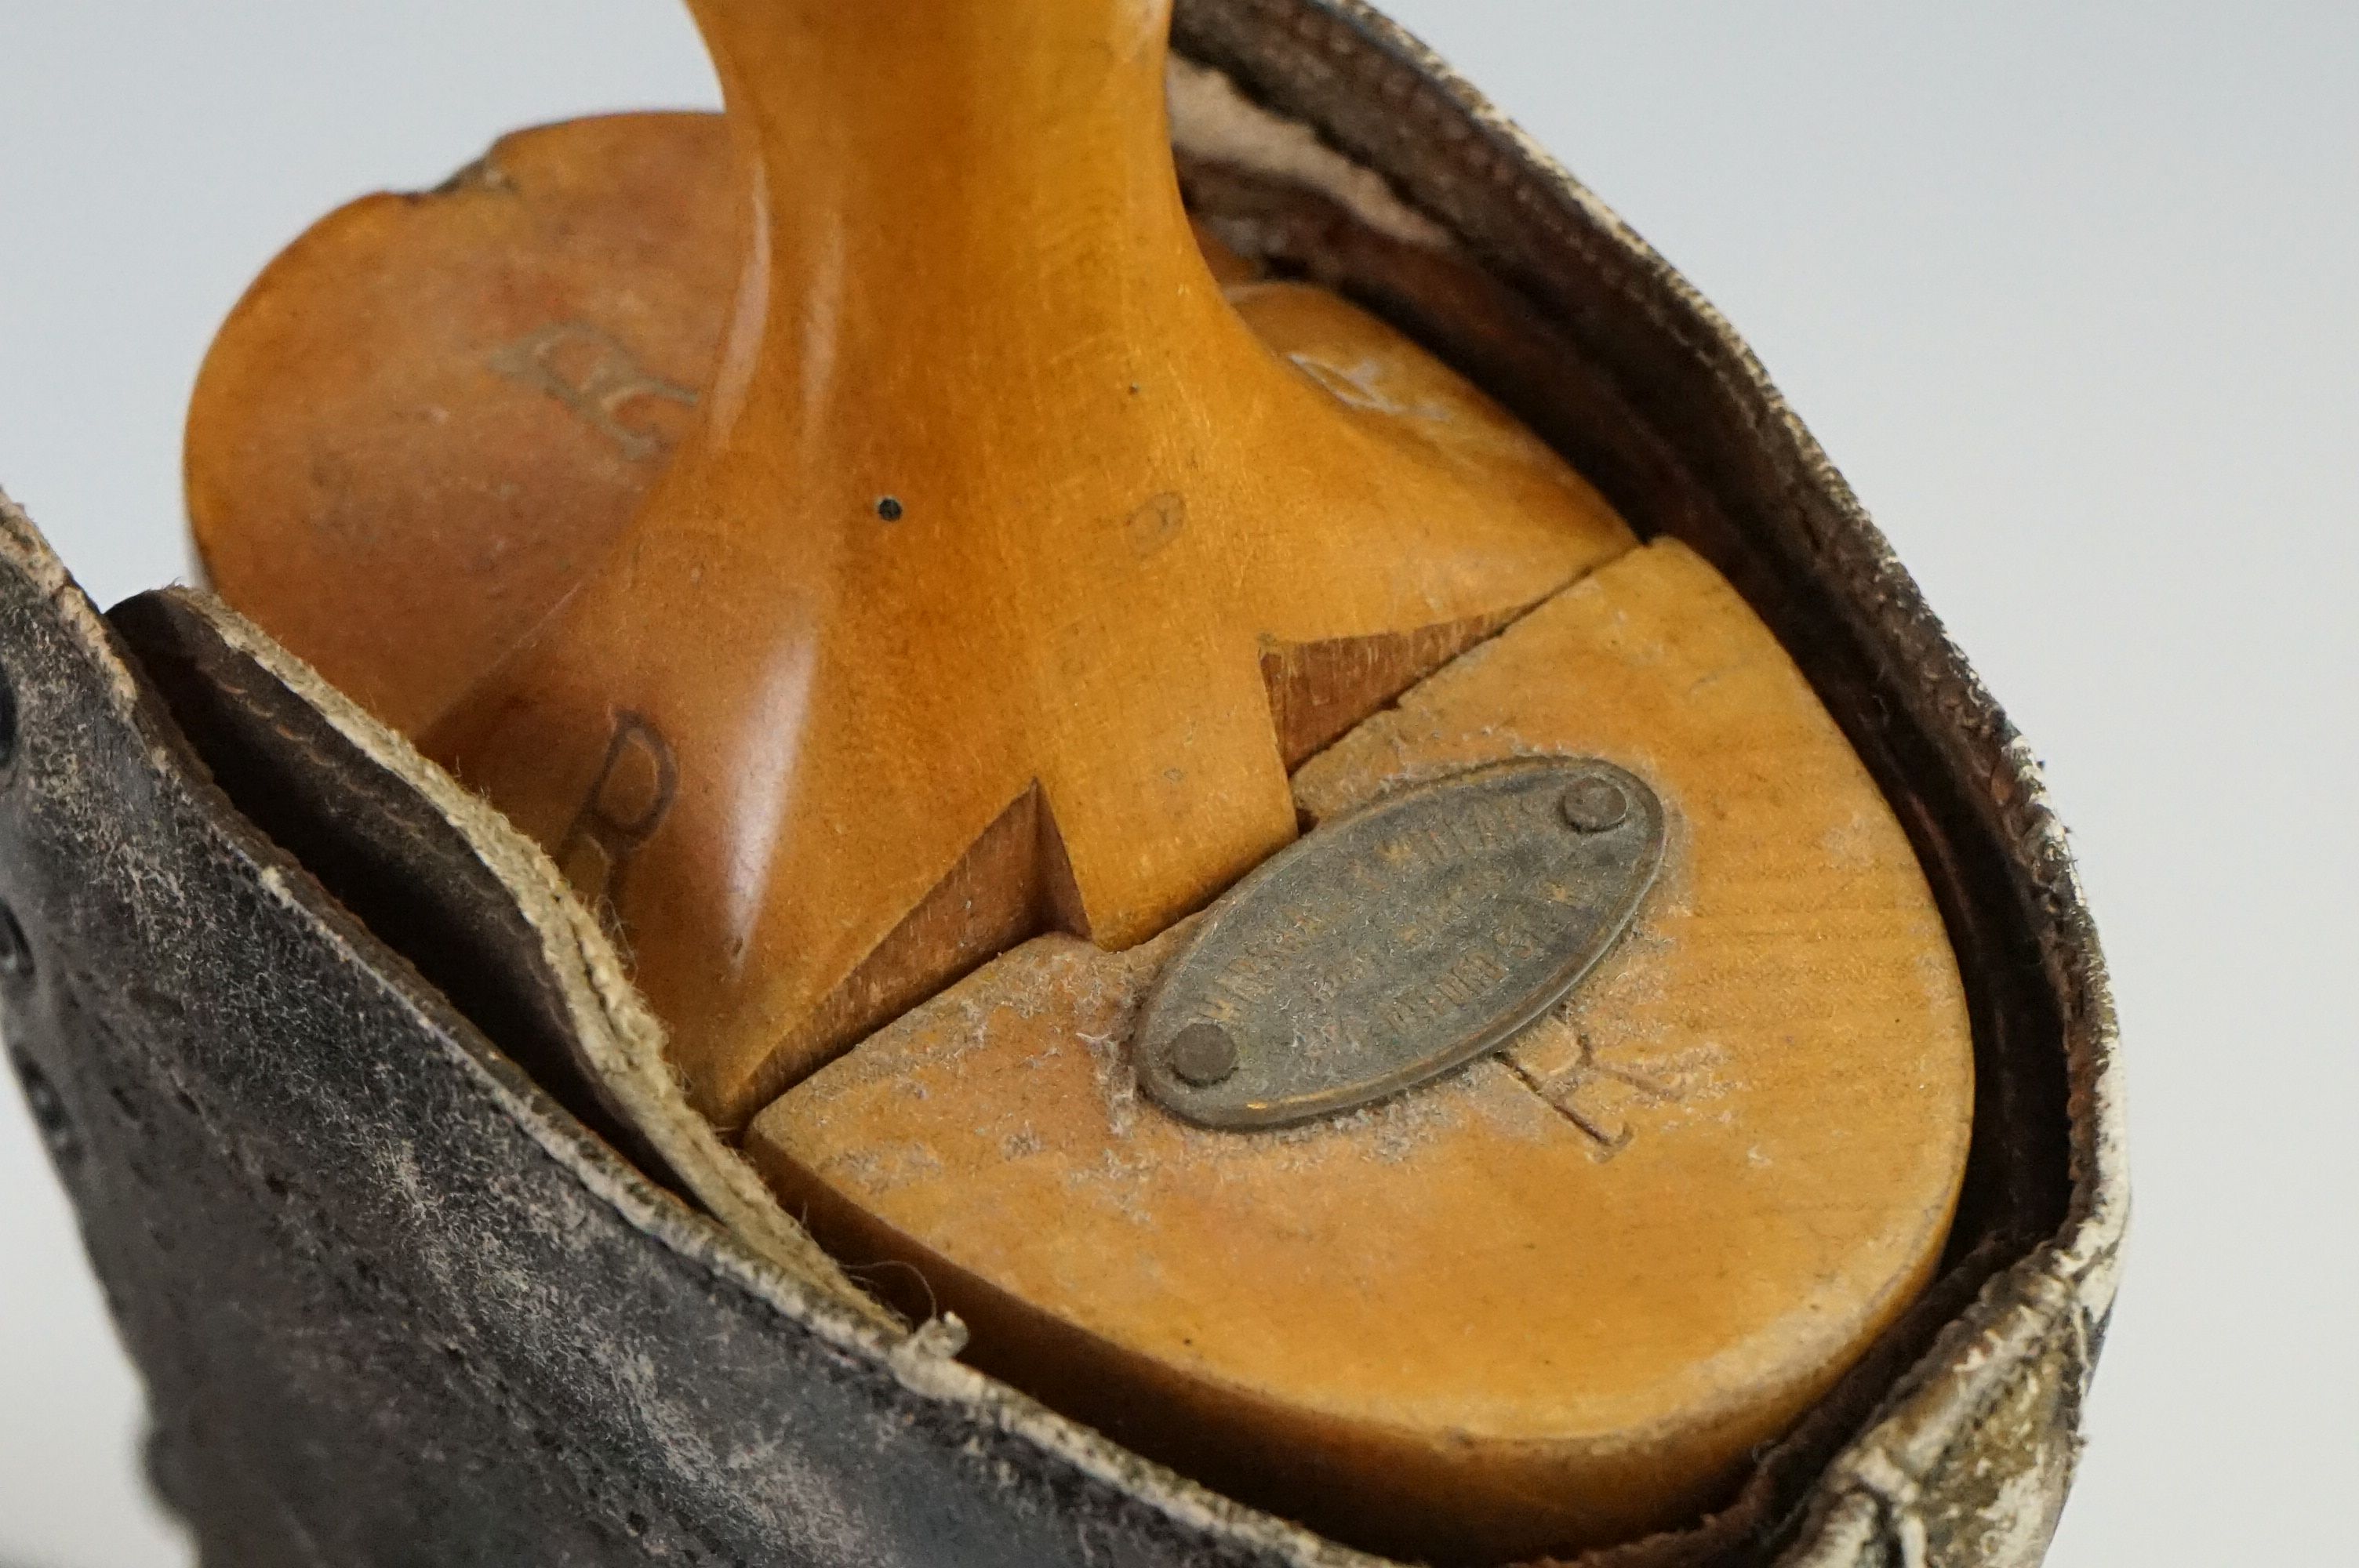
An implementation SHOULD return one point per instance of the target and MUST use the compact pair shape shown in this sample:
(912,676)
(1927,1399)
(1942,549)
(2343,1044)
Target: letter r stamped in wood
(636,780)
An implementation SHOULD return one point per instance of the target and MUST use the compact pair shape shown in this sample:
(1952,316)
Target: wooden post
(948,623)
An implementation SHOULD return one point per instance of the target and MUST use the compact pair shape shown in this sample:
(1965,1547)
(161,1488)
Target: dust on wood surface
(1555,1298)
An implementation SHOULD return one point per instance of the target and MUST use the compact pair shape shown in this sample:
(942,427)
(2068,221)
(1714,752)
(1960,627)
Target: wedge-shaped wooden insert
(994,498)
(1551,1300)
(432,417)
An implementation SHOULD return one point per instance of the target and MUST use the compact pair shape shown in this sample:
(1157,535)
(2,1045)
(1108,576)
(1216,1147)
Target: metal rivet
(1593,804)
(1201,1054)
(16,952)
(889,508)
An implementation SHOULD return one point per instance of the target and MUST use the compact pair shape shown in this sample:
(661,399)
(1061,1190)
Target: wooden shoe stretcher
(1034,687)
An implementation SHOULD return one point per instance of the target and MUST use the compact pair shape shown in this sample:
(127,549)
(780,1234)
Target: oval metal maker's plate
(1391,945)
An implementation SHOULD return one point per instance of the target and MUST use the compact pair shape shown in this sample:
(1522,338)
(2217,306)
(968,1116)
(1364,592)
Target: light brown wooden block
(1550,1300)
(430,415)
(994,492)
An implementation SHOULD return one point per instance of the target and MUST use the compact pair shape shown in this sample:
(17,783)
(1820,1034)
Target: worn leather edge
(1919,1473)
(624,1040)
(619,1040)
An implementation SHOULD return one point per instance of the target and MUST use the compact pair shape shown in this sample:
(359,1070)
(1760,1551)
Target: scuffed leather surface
(377,846)
(396,1305)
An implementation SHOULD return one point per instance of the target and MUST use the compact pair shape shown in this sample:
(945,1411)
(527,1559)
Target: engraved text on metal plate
(1395,943)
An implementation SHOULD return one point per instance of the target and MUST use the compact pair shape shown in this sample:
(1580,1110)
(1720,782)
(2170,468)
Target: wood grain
(1551,1302)
(429,417)
(1547,1303)
(993,492)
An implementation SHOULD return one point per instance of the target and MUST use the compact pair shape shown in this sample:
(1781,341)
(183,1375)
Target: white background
(2064,287)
